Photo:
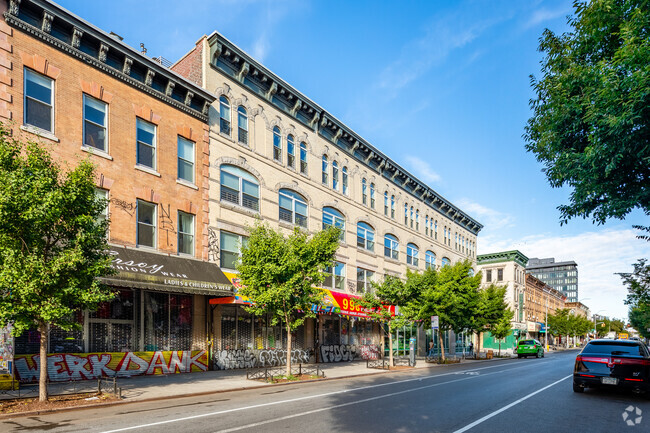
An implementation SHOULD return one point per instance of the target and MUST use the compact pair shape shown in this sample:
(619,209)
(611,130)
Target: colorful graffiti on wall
(348,352)
(253,358)
(62,367)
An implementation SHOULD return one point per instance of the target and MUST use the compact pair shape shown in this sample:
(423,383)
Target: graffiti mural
(348,352)
(6,349)
(62,367)
(257,358)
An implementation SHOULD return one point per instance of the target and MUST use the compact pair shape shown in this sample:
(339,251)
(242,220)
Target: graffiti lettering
(348,352)
(251,358)
(124,205)
(166,222)
(213,245)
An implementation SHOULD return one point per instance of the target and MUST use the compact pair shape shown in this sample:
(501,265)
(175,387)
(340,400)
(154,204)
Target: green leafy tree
(492,311)
(590,126)
(503,327)
(559,323)
(640,319)
(280,273)
(52,243)
(638,284)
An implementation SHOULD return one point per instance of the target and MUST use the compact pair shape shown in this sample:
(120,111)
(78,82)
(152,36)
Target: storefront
(156,323)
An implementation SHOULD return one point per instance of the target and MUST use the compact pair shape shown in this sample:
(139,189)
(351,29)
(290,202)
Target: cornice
(504,256)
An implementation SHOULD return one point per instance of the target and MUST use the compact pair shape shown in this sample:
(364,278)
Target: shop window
(39,101)
(330,328)
(167,321)
(335,277)
(293,208)
(239,187)
(111,328)
(185,159)
(95,120)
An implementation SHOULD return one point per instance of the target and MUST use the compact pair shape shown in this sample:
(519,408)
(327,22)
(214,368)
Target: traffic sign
(434,322)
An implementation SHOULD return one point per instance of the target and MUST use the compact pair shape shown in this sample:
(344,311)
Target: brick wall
(191,65)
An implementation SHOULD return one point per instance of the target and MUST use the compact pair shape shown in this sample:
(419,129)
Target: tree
(52,243)
(638,284)
(492,311)
(640,319)
(280,273)
(558,323)
(591,115)
(503,327)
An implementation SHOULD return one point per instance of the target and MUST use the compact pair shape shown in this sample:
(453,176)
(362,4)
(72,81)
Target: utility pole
(546,323)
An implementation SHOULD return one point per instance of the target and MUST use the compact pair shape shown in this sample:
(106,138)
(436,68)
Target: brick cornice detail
(147,114)
(40,64)
(96,91)
(104,182)
(189,133)
(147,194)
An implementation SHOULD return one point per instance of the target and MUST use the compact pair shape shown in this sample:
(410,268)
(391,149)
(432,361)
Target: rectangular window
(364,277)
(146,143)
(335,278)
(499,274)
(231,249)
(39,101)
(95,123)
(303,158)
(185,159)
(146,230)
(185,233)
(488,275)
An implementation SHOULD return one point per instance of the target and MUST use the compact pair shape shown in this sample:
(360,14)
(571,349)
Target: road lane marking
(273,403)
(514,403)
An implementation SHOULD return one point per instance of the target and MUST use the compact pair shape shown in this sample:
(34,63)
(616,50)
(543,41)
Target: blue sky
(441,87)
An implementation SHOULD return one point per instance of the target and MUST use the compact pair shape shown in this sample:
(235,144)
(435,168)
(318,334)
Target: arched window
(335,175)
(293,208)
(429,260)
(386,203)
(345,180)
(332,217)
(391,247)
(417,220)
(365,236)
(445,262)
(242,125)
(392,206)
(324,170)
(291,151)
(412,254)
(303,158)
(224,115)
(436,229)
(372,195)
(426,225)
(364,191)
(239,187)
(411,216)
(406,214)
(277,144)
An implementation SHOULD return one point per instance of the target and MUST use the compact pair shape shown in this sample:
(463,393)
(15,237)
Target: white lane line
(514,403)
(273,403)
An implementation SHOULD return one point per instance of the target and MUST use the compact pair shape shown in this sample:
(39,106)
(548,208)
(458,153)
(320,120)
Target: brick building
(541,299)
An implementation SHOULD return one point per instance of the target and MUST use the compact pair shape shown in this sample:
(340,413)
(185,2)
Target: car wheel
(578,388)
(519,355)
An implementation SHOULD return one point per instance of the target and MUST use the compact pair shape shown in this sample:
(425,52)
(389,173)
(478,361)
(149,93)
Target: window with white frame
(291,151)
(224,115)
(335,175)
(446,262)
(411,216)
(365,236)
(429,260)
(95,122)
(185,233)
(364,191)
(277,144)
(242,125)
(386,203)
(303,158)
(332,217)
(417,220)
(231,245)
(335,277)
(392,206)
(146,143)
(39,101)
(239,187)
(391,247)
(185,159)
(324,175)
(412,253)
(372,195)
(364,278)
(426,225)
(406,214)
(146,224)
(344,182)
(435,226)
(293,208)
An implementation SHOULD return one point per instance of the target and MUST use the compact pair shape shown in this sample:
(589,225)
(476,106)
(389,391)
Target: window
(231,245)
(392,206)
(429,260)
(94,123)
(324,170)
(436,229)
(364,191)
(303,158)
(277,144)
(445,262)
(412,254)
(426,225)
(335,175)
(488,275)
(386,203)
(406,214)
(293,208)
(345,180)
(332,217)
(185,233)
(372,195)
(499,274)
(242,125)
(291,151)
(224,115)
(146,228)
(365,237)
(335,277)
(411,216)
(102,194)
(239,187)
(364,277)
(391,247)
(39,101)
(185,159)
(146,143)
(417,220)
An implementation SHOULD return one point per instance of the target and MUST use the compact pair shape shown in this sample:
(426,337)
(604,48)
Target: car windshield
(612,348)
(526,342)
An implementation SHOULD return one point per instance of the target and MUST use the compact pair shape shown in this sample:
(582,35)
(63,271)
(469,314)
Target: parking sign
(434,322)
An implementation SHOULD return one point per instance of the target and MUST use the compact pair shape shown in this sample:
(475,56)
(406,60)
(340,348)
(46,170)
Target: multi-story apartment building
(562,276)
(87,94)
(278,156)
(506,269)
(541,300)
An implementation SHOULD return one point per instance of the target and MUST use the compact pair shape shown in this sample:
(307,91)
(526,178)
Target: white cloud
(542,15)
(422,169)
(599,255)
(490,218)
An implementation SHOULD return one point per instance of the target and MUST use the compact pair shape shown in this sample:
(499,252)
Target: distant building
(541,301)
(562,276)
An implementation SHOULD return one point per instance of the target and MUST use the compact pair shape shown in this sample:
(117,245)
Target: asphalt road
(531,395)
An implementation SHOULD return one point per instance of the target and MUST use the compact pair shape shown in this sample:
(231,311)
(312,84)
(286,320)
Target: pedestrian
(471,348)
(430,348)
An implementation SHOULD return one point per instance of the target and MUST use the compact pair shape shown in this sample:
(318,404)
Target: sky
(441,87)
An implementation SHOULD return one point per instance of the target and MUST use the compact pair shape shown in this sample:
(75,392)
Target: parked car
(530,348)
(613,363)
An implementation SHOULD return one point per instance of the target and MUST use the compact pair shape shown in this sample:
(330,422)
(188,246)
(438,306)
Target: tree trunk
(390,348)
(442,345)
(499,355)
(288,351)
(42,379)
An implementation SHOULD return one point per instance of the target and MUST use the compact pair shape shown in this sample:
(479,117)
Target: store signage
(343,303)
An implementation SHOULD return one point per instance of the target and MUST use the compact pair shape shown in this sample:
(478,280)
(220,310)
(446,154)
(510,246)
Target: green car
(530,347)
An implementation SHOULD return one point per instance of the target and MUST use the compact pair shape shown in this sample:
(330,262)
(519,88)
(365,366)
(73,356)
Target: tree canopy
(52,242)
(590,126)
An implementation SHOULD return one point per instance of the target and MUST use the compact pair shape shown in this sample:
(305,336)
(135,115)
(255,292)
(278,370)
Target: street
(532,395)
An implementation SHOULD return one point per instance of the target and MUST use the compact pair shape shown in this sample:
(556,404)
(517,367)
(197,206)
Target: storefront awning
(344,304)
(151,271)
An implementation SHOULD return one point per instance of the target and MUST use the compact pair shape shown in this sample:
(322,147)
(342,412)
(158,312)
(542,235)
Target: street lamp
(596,324)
